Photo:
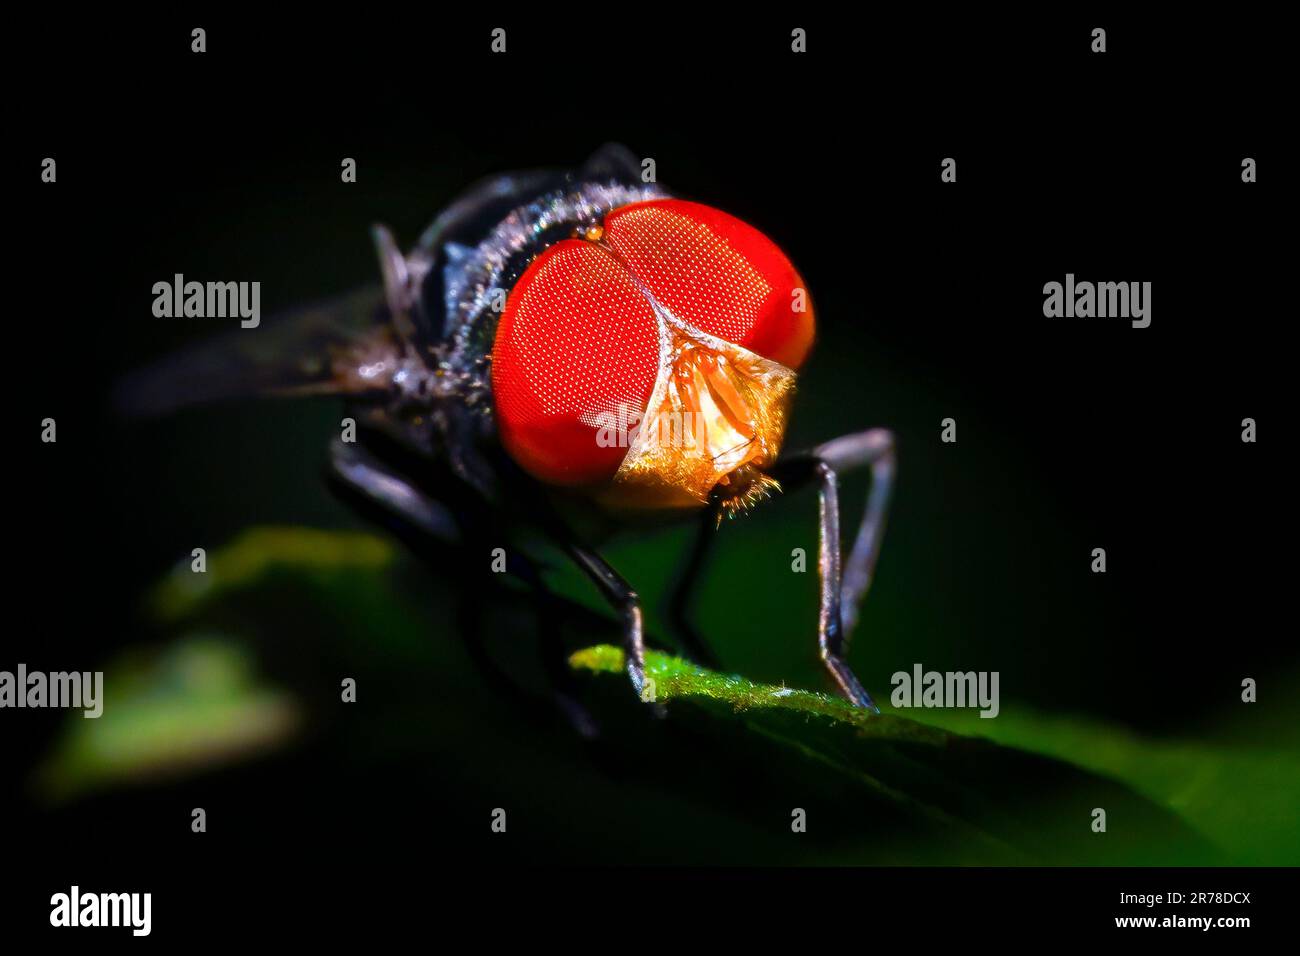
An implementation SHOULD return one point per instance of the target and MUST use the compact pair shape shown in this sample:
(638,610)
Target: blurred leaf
(262,551)
(191,706)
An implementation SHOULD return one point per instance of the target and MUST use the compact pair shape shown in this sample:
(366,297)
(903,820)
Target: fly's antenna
(399,289)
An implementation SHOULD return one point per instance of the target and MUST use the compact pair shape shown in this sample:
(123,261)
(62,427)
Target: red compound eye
(577,339)
(578,343)
(719,274)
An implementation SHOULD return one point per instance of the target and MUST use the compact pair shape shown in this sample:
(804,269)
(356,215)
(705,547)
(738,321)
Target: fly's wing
(317,350)
(322,349)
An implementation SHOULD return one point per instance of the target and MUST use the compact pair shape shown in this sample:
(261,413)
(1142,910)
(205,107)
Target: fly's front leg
(830,622)
(624,600)
(874,449)
(843,584)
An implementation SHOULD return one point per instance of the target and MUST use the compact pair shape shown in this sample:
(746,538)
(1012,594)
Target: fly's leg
(556,664)
(830,625)
(612,161)
(845,583)
(512,189)
(428,521)
(401,289)
(624,600)
(680,601)
(462,454)
(360,473)
(564,697)
(873,449)
(491,198)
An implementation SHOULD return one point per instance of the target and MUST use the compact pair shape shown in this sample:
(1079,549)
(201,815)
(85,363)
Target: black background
(1073,433)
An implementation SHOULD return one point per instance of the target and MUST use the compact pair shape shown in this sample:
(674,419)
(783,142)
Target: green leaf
(960,798)
(1242,796)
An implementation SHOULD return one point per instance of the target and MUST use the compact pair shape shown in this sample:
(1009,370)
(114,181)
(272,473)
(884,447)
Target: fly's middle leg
(363,477)
(625,601)
(424,521)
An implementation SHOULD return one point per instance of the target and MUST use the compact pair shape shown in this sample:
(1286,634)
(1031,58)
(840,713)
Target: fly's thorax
(478,281)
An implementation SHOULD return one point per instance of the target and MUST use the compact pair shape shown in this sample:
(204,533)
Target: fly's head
(650,359)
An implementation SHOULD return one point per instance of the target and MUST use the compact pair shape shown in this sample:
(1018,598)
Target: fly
(567,353)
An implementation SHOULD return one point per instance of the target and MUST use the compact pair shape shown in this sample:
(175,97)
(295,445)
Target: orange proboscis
(723,410)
